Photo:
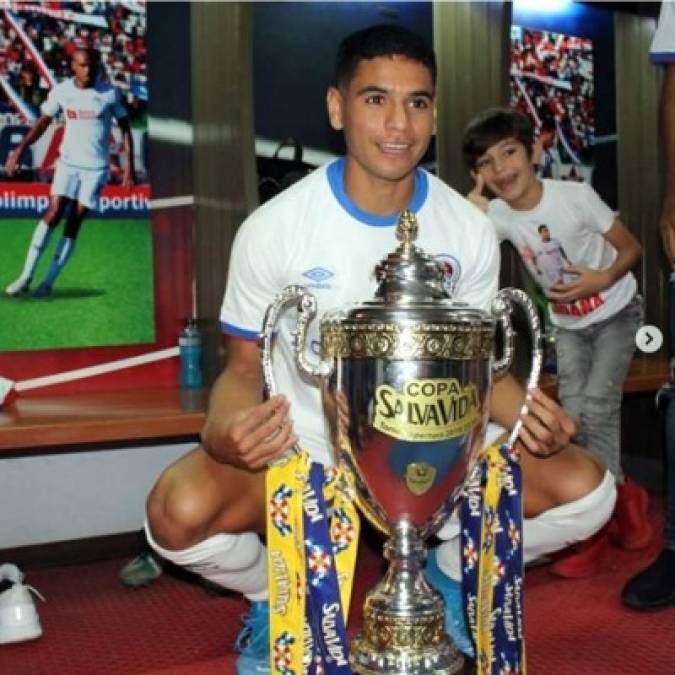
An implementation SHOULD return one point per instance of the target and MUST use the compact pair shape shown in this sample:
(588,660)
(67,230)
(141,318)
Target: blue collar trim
(336,175)
(662,57)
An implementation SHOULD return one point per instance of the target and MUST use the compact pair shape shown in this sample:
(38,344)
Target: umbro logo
(318,274)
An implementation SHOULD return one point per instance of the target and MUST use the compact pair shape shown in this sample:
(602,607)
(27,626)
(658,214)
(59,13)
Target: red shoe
(635,531)
(583,559)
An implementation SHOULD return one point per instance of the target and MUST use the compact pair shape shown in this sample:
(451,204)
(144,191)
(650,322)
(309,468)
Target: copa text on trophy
(406,380)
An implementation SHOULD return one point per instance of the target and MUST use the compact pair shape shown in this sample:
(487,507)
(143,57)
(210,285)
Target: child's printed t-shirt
(566,228)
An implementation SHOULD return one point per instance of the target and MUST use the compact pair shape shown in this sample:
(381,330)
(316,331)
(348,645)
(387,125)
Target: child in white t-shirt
(580,253)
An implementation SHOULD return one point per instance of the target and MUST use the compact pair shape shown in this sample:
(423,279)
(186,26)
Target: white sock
(548,532)
(234,561)
(569,523)
(38,243)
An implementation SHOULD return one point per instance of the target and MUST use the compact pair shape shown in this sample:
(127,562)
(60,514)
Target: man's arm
(547,428)
(534,263)
(33,134)
(564,255)
(590,281)
(668,137)
(240,429)
(129,176)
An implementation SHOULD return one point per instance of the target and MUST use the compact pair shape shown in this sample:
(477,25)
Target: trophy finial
(408,274)
(406,230)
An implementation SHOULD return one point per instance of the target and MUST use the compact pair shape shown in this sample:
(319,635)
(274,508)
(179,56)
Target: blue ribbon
(329,644)
(507,606)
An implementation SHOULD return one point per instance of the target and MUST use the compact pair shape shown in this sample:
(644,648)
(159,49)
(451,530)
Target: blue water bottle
(190,351)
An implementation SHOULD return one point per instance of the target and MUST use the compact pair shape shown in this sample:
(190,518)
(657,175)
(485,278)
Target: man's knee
(570,522)
(177,515)
(566,477)
(581,475)
(197,497)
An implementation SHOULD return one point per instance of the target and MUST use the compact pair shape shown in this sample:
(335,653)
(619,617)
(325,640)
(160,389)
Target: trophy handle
(306,304)
(502,308)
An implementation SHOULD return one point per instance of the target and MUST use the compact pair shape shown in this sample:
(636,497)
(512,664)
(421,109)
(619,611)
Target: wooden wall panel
(471,40)
(472,44)
(638,153)
(224,151)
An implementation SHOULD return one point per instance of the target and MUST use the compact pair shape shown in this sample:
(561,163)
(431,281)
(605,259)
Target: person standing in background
(594,302)
(654,587)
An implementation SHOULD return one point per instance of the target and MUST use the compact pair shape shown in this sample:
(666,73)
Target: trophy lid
(411,315)
(408,274)
(410,289)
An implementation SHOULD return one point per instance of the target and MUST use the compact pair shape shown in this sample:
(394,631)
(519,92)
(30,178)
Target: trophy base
(404,618)
(442,659)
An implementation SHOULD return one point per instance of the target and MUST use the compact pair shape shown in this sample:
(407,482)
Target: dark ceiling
(641,8)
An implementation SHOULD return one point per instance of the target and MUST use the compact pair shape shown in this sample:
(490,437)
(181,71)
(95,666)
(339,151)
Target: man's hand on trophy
(547,428)
(252,437)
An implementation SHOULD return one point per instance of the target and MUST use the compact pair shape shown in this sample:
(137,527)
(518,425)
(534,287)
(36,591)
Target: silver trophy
(406,381)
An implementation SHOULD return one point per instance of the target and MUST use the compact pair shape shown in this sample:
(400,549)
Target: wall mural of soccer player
(77,244)
(88,105)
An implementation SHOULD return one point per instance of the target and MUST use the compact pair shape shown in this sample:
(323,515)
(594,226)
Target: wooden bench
(647,373)
(63,424)
(35,424)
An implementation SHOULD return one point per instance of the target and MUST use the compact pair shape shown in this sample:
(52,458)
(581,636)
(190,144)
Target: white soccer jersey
(88,116)
(313,235)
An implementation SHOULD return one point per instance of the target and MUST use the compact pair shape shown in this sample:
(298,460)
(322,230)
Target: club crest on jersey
(73,114)
(452,270)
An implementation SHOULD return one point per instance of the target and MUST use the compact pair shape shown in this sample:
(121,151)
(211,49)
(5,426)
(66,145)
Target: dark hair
(381,40)
(492,126)
(542,227)
(93,54)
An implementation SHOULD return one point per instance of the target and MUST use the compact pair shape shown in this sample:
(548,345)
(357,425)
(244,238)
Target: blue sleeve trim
(662,57)
(235,331)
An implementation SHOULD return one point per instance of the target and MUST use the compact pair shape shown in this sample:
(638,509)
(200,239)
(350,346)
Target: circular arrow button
(649,339)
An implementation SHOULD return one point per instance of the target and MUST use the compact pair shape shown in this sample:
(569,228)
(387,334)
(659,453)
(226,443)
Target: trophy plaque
(406,380)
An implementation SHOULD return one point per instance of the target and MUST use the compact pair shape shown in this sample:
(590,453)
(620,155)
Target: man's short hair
(93,54)
(381,40)
(542,227)
(493,126)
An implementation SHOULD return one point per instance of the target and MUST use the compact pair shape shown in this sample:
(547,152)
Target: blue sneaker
(253,643)
(42,291)
(451,590)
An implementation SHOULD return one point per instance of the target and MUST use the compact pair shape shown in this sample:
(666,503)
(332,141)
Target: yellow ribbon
(287,578)
(497,469)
